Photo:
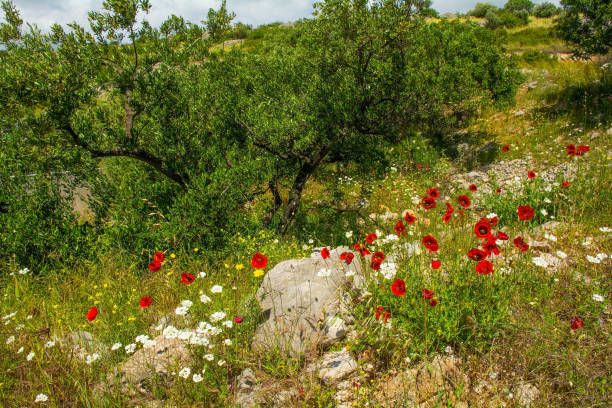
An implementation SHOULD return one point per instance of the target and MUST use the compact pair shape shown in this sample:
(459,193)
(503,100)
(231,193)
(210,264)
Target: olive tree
(586,24)
(347,85)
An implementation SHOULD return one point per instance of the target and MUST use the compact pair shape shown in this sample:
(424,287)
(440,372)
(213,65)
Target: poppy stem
(426,329)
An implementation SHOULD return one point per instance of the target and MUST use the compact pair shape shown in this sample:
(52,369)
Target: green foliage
(482,9)
(218,22)
(493,20)
(535,57)
(586,25)
(519,5)
(240,31)
(546,10)
(531,36)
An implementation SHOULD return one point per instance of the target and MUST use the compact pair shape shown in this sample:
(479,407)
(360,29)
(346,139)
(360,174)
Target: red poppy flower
(449,208)
(356,247)
(364,251)
(430,243)
(159,256)
(502,236)
(375,264)
(371,237)
(409,218)
(400,228)
(386,316)
(484,267)
(379,255)
(347,257)
(525,212)
(238,319)
(379,311)
(93,312)
(433,193)
(447,217)
(433,302)
(493,221)
(531,174)
(489,246)
(473,187)
(566,184)
(476,254)
(145,302)
(427,294)
(259,261)
(435,264)
(155,265)
(325,253)
(506,148)
(583,149)
(428,203)
(577,323)
(571,150)
(498,191)
(187,278)
(520,244)
(482,229)
(464,200)
(398,288)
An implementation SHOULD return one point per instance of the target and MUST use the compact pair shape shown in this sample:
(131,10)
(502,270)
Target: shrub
(493,20)
(546,10)
(518,5)
(481,10)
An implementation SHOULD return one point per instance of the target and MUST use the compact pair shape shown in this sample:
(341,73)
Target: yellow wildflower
(258,272)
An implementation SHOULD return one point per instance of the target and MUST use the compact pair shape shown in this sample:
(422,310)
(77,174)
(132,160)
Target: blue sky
(255,12)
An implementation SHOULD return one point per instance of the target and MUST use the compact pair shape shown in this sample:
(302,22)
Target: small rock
(334,366)
(526,394)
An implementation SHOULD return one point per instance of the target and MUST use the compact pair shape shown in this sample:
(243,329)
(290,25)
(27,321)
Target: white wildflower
(20,350)
(209,357)
(561,254)
(8,316)
(23,271)
(311,241)
(593,259)
(325,272)
(304,247)
(544,212)
(199,340)
(349,234)
(205,299)
(116,346)
(540,262)
(197,378)
(186,303)
(10,340)
(181,310)
(91,358)
(602,256)
(221,363)
(216,289)
(350,272)
(587,241)
(49,344)
(28,317)
(184,334)
(605,229)
(550,237)
(130,348)
(597,298)
(388,270)
(228,323)
(30,356)
(217,316)
(41,398)
(141,338)
(148,344)
(491,215)
(228,342)
(202,275)
(185,372)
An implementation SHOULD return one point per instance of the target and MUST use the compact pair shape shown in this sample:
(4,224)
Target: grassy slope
(533,343)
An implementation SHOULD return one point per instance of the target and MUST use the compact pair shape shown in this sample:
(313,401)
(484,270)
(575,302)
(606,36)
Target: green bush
(519,5)
(493,20)
(481,10)
(546,10)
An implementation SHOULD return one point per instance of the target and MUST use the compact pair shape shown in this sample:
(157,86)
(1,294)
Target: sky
(255,12)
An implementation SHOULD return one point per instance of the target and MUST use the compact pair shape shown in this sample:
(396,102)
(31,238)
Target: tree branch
(137,154)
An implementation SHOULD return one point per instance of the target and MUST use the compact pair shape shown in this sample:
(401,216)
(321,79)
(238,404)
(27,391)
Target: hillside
(525,323)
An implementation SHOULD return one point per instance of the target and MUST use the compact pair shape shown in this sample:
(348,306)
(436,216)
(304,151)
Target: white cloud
(253,12)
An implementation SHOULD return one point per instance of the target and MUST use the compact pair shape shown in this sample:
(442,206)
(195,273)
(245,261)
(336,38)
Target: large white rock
(300,300)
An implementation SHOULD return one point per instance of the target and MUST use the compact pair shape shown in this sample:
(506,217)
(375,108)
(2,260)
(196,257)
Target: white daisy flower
(185,372)
(605,229)
(544,212)
(227,342)
(349,234)
(30,356)
(186,303)
(91,358)
(593,259)
(221,363)
(217,316)
(597,298)
(202,275)
(49,344)
(205,299)
(216,289)
(197,378)
(540,262)
(561,254)
(148,344)
(550,237)
(41,398)
(181,311)
(141,338)
(23,271)
(116,346)
(228,323)
(209,357)
(10,340)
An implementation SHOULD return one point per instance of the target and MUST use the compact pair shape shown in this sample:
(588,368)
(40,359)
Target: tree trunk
(295,196)
(278,201)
